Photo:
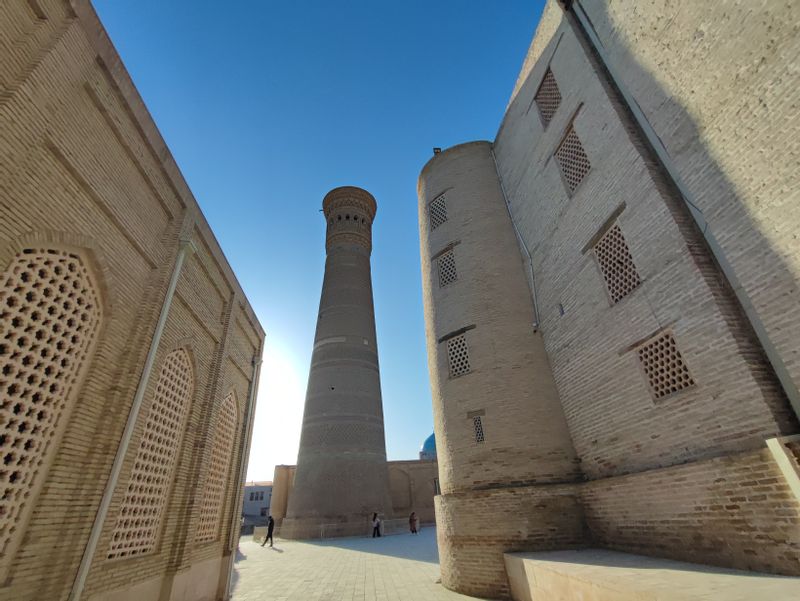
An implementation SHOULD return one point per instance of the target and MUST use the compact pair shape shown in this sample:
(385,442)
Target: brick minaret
(341,474)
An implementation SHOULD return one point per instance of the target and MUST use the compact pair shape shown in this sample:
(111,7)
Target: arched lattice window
(137,526)
(218,471)
(49,316)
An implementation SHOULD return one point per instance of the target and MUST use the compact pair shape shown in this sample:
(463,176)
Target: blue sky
(268,105)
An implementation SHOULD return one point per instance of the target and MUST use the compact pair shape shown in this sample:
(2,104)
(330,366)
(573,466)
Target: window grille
(548,97)
(458,356)
(478,425)
(49,317)
(572,159)
(663,366)
(438,211)
(218,472)
(616,264)
(447,269)
(139,518)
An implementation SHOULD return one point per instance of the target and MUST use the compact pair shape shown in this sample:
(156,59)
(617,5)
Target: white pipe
(245,457)
(772,353)
(521,241)
(186,247)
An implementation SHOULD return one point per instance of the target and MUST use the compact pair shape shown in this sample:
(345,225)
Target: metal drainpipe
(235,522)
(186,247)
(651,137)
(521,241)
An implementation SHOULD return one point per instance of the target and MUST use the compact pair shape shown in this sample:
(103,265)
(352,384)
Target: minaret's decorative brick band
(342,476)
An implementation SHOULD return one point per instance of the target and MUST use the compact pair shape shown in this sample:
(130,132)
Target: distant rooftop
(258,483)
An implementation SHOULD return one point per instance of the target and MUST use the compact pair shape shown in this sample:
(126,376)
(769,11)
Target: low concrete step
(601,575)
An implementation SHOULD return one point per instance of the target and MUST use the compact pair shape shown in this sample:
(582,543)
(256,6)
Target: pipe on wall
(186,248)
(522,243)
(243,461)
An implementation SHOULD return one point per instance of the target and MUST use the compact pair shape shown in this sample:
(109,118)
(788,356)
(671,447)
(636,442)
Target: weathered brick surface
(83,167)
(734,511)
(509,385)
(475,528)
(685,474)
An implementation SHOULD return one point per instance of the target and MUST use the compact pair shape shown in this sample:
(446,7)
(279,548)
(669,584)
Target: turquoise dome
(428,450)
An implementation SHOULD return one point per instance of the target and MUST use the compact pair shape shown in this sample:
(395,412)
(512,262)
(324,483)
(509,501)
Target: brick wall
(84,168)
(411,488)
(734,511)
(672,461)
(475,528)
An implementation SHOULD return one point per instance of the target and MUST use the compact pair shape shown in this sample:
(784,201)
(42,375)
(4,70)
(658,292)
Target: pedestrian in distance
(270,528)
(376,525)
(412,522)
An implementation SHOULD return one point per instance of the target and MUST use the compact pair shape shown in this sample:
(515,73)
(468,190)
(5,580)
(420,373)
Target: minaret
(342,476)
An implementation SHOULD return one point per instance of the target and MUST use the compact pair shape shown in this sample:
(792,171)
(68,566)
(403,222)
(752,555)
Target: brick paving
(392,568)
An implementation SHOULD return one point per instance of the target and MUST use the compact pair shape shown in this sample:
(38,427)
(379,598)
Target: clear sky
(267,105)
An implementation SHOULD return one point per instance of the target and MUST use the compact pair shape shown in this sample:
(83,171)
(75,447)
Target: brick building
(611,296)
(128,352)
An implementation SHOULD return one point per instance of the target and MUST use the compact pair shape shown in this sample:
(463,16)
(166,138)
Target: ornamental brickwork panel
(218,472)
(136,530)
(548,97)
(49,316)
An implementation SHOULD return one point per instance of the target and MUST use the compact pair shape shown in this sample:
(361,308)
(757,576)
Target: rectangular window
(252,496)
(436,489)
(572,159)
(458,356)
(548,97)
(438,211)
(478,425)
(663,366)
(616,264)
(447,269)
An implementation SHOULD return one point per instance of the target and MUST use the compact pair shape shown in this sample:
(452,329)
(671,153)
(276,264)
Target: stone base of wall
(327,527)
(475,528)
(734,511)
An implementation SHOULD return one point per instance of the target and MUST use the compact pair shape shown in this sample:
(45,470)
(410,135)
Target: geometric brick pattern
(438,211)
(458,356)
(478,425)
(447,269)
(218,472)
(616,263)
(139,518)
(663,365)
(548,97)
(572,159)
(49,315)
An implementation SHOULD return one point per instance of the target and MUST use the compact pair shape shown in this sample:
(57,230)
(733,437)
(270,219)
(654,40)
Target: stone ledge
(602,575)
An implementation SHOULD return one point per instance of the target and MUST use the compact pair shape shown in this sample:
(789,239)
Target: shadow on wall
(738,135)
(722,91)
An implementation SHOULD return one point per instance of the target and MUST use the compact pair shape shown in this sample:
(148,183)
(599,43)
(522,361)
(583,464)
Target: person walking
(376,526)
(412,522)
(270,528)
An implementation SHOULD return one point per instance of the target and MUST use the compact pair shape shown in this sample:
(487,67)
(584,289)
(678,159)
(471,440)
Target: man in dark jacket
(270,528)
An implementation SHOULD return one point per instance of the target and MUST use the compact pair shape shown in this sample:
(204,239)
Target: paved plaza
(392,568)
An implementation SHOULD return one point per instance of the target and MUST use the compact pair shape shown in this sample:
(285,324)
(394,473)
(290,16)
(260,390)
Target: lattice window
(139,517)
(664,367)
(548,97)
(477,424)
(616,263)
(458,355)
(447,269)
(572,159)
(438,211)
(218,472)
(49,316)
